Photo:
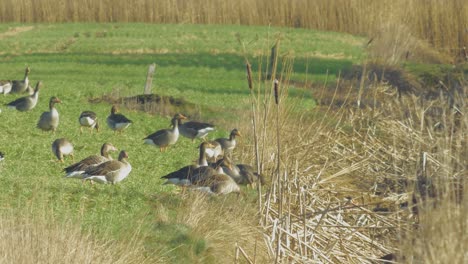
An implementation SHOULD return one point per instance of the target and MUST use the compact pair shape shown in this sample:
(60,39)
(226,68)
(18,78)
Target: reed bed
(441,23)
(353,183)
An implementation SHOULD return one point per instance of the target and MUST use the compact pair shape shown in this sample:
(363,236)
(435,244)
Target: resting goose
(28,102)
(21,86)
(218,184)
(76,170)
(242,174)
(193,129)
(165,137)
(117,122)
(112,171)
(228,144)
(88,119)
(50,120)
(192,174)
(62,147)
(5,87)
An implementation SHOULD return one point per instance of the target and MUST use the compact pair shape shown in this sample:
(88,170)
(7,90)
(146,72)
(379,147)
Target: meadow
(79,62)
(354,170)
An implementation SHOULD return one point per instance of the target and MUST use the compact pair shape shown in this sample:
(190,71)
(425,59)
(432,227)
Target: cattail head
(249,75)
(276,82)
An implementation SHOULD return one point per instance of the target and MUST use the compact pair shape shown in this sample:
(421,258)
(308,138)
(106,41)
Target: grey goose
(21,86)
(76,170)
(49,121)
(194,129)
(62,147)
(218,184)
(5,87)
(117,122)
(165,137)
(242,174)
(192,174)
(88,119)
(112,171)
(228,144)
(28,102)
(214,152)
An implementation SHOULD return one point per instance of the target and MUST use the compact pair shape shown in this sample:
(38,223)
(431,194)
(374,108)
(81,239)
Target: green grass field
(202,64)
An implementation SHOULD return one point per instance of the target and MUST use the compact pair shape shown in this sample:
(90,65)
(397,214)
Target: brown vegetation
(404,23)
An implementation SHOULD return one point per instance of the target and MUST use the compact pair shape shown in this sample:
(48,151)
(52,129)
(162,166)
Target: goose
(88,119)
(192,174)
(117,122)
(5,87)
(112,171)
(50,120)
(20,86)
(2,156)
(242,174)
(76,170)
(165,137)
(214,152)
(62,147)
(194,129)
(218,184)
(228,144)
(28,102)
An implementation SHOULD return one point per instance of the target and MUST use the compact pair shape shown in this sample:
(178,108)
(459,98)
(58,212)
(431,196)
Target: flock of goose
(214,172)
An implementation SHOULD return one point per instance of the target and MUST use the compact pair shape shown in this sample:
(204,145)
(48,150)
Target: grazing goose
(112,171)
(88,119)
(50,120)
(5,87)
(242,174)
(76,170)
(193,129)
(228,145)
(21,86)
(28,102)
(192,174)
(62,147)
(165,137)
(117,122)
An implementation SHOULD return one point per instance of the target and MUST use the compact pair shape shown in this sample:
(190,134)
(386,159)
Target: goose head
(234,133)
(54,100)
(106,148)
(123,155)
(177,119)
(114,109)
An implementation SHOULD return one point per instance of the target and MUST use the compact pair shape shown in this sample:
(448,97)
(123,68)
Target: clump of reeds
(352,184)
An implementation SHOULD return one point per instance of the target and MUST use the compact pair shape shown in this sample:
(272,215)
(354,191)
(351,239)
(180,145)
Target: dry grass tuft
(26,238)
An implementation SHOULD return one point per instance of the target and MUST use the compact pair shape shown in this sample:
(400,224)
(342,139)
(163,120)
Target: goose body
(50,120)
(192,174)
(88,119)
(214,152)
(194,129)
(76,170)
(165,137)
(242,174)
(218,184)
(62,147)
(5,87)
(117,122)
(228,144)
(26,103)
(21,86)
(112,171)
